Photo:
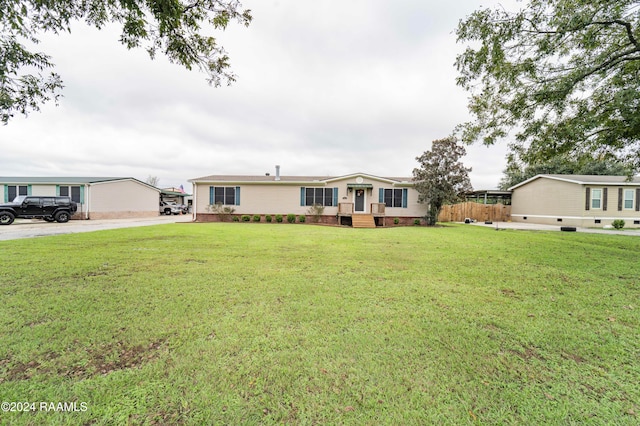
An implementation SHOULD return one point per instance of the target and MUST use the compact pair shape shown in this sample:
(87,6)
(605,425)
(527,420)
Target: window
(71,191)
(15,190)
(596,198)
(628,199)
(226,195)
(321,196)
(393,197)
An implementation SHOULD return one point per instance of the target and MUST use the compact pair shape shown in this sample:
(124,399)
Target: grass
(264,324)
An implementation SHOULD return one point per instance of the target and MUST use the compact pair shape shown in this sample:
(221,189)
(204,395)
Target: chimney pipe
(277,172)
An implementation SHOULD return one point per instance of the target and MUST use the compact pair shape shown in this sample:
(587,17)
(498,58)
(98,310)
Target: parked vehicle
(51,209)
(169,207)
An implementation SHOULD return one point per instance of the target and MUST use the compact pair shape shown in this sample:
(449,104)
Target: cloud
(324,87)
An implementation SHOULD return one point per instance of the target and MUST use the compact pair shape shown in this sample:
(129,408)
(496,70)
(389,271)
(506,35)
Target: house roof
(292,179)
(67,180)
(586,180)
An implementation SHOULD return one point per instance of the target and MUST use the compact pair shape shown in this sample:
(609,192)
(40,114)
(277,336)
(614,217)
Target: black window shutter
(604,199)
(619,199)
(587,202)
(637,199)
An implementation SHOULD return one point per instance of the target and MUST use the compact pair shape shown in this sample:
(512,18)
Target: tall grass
(247,324)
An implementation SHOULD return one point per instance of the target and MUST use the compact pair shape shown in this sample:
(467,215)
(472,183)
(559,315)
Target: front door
(359,200)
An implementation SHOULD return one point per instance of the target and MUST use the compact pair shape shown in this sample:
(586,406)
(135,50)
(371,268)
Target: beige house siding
(121,199)
(101,198)
(284,197)
(560,202)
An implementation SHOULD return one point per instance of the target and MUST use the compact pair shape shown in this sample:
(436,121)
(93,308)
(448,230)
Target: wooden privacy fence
(476,211)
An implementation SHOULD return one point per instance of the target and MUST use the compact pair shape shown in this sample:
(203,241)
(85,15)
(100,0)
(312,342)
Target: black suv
(31,207)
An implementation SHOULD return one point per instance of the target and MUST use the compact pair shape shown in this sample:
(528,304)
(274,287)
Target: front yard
(257,323)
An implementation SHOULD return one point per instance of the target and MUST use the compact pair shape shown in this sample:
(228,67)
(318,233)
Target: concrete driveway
(27,228)
(537,227)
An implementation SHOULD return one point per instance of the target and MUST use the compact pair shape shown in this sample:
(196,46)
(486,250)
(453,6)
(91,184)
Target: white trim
(572,179)
(633,199)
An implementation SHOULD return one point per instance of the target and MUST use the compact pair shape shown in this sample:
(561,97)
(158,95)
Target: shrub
(279,218)
(246,218)
(268,218)
(256,218)
(416,221)
(316,210)
(618,223)
(396,220)
(291,218)
(302,218)
(223,212)
(236,219)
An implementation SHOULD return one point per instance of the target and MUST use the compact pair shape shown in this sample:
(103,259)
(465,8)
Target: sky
(323,88)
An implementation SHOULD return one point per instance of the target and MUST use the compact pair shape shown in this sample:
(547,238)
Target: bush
(396,220)
(315,211)
(279,218)
(618,223)
(223,212)
(291,218)
(268,218)
(236,219)
(246,218)
(256,218)
(302,218)
(416,221)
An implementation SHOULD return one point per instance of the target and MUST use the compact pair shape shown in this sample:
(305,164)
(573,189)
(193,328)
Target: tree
(441,177)
(564,74)
(173,27)
(517,172)
(153,180)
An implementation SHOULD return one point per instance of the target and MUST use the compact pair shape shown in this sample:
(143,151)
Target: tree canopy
(563,75)
(517,172)
(441,177)
(175,28)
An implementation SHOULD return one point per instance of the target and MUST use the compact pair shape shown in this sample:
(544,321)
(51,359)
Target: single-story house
(97,197)
(577,200)
(356,199)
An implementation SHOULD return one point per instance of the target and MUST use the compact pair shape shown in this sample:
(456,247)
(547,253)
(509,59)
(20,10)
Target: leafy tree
(175,28)
(564,74)
(517,172)
(441,177)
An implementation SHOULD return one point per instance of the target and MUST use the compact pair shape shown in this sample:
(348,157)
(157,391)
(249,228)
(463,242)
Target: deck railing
(345,208)
(377,209)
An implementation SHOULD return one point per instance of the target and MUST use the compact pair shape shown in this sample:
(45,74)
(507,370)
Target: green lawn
(302,324)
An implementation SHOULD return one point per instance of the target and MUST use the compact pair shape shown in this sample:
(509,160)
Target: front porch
(348,216)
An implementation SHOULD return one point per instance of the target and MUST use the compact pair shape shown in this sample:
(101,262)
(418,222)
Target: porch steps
(363,221)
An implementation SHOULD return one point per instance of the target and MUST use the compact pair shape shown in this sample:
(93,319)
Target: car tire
(6,218)
(167,212)
(62,217)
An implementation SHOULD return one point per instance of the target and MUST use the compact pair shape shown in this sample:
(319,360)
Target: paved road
(26,228)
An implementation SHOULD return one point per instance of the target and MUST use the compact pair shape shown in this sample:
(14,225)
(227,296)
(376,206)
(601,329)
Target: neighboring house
(97,197)
(176,195)
(577,200)
(358,196)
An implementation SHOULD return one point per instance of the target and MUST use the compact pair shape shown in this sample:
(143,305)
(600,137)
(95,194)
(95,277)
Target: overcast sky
(324,88)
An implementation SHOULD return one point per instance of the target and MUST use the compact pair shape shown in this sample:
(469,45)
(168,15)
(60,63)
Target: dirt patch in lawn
(101,359)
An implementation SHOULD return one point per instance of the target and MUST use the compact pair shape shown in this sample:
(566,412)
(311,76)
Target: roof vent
(277,172)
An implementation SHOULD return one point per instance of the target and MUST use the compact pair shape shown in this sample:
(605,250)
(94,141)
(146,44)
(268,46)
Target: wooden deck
(362,220)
